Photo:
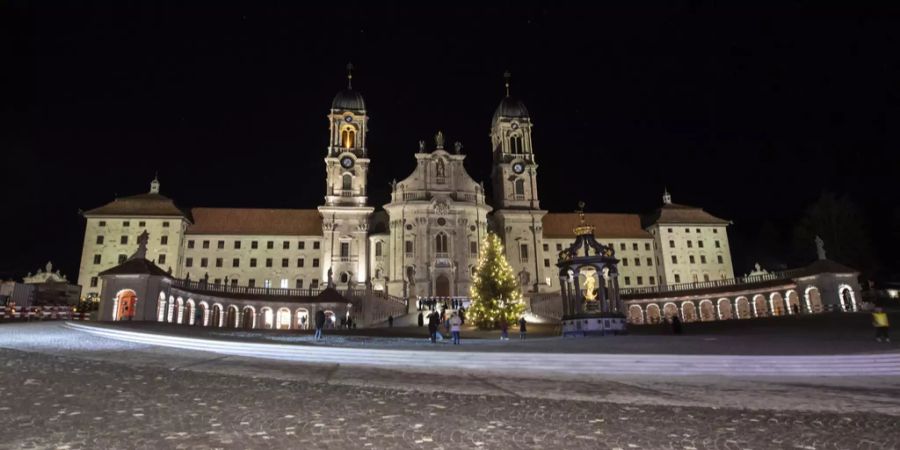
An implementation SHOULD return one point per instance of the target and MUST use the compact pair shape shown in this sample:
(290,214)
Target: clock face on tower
(518,168)
(348,119)
(347,162)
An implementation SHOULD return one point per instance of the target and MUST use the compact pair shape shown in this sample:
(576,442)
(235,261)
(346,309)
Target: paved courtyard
(60,388)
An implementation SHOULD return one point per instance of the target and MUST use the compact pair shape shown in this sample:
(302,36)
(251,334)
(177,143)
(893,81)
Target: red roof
(606,226)
(683,214)
(249,221)
(139,205)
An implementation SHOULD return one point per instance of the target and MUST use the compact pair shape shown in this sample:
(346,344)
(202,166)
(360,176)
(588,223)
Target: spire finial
(349,75)
(667,198)
(154,185)
(507,76)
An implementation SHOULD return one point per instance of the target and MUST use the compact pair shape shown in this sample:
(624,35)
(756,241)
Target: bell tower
(518,213)
(345,215)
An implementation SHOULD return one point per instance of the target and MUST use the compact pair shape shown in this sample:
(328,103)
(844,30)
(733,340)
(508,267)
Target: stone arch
(723,307)
(653,315)
(670,310)
(190,310)
(636,314)
(233,317)
(248,317)
(688,312)
(813,300)
(302,318)
(330,318)
(161,306)
(442,286)
(283,319)
(793,302)
(742,308)
(776,304)
(847,298)
(218,316)
(171,311)
(760,307)
(267,317)
(707,310)
(203,307)
(179,313)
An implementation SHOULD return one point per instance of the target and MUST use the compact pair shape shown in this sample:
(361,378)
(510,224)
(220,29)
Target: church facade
(423,243)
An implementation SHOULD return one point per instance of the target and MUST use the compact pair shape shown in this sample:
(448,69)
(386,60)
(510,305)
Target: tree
(840,224)
(495,290)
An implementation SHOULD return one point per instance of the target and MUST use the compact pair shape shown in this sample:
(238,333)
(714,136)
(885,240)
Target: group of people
(435,303)
(504,329)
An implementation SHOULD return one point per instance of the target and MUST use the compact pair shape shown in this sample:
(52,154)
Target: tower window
(520,189)
(378,249)
(515,144)
(345,250)
(440,243)
(347,182)
(348,138)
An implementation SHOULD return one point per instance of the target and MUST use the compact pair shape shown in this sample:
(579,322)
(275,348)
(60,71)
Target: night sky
(749,113)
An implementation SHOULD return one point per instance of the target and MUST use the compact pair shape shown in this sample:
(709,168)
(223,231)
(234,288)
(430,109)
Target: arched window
(515,144)
(348,138)
(440,243)
(378,249)
(348,182)
(520,188)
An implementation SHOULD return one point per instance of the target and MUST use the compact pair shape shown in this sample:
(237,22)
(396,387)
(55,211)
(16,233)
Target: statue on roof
(421,146)
(439,140)
(457,147)
(820,247)
(49,267)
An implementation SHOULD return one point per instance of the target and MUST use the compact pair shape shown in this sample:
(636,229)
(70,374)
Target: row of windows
(693,260)
(440,246)
(163,240)
(236,262)
(640,281)
(127,223)
(696,278)
(285,283)
(622,246)
(690,244)
(161,259)
(688,230)
(285,245)
(637,262)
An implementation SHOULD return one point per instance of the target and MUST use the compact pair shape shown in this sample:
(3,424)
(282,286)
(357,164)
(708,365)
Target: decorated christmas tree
(495,289)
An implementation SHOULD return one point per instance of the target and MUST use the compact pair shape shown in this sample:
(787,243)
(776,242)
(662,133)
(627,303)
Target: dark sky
(749,113)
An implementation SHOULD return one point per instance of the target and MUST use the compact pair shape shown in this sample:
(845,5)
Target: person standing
(391,321)
(421,319)
(320,323)
(433,322)
(504,330)
(881,324)
(676,324)
(455,323)
(523,329)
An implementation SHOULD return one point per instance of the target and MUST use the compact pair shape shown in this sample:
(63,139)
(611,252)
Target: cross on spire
(349,75)
(507,76)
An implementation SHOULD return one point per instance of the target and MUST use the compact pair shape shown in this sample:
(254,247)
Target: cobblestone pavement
(63,389)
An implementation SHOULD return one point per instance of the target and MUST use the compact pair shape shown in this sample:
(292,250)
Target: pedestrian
(343,322)
(421,319)
(433,319)
(350,323)
(522,328)
(881,324)
(676,324)
(455,323)
(504,330)
(391,321)
(320,323)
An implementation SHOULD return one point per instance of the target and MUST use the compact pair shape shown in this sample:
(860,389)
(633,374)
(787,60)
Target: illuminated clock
(348,119)
(518,168)
(347,162)
(515,125)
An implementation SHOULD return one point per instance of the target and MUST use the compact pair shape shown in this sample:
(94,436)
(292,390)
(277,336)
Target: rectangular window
(96,259)
(102,223)
(315,262)
(719,257)
(220,245)
(286,245)
(189,262)
(715,230)
(204,262)
(237,245)
(671,244)
(254,244)
(93,281)
(164,240)
(409,247)
(691,259)
(162,259)
(546,262)
(652,281)
(236,262)
(718,245)
(646,246)
(268,262)
(270,245)
(637,261)
(473,248)
(219,262)
(315,283)
(142,224)
(670,230)
(640,280)
(316,245)
(687,230)
(523,251)
(705,277)
(702,259)
(285,262)
(123,240)
(634,246)
(234,282)
(546,247)
(627,281)
(622,246)
(700,244)
(698,230)
(649,262)
(559,247)
(677,278)
(690,244)
(251,282)
(674,259)
(252,262)
(345,249)
(284,283)
(217,281)
(301,245)
(267,283)
(300,262)
(100,239)
(299,284)
(122,258)
(165,224)
(190,243)
(205,244)
(126,224)
(625,262)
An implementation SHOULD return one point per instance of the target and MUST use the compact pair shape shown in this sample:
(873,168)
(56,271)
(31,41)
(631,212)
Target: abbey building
(424,242)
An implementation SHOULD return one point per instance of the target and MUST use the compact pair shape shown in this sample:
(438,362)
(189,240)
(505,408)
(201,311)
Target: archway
(793,302)
(688,312)
(847,298)
(670,310)
(635,314)
(161,306)
(268,318)
(233,318)
(724,308)
(126,301)
(189,312)
(179,310)
(776,303)
(248,319)
(172,311)
(742,305)
(442,286)
(707,311)
(653,313)
(813,300)
(218,318)
(203,309)
(330,318)
(760,309)
(283,319)
(302,315)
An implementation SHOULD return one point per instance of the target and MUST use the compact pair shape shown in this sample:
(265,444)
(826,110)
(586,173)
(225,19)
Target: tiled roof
(606,226)
(252,221)
(821,266)
(675,213)
(139,205)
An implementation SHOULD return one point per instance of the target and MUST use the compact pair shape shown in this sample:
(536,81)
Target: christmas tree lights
(495,290)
